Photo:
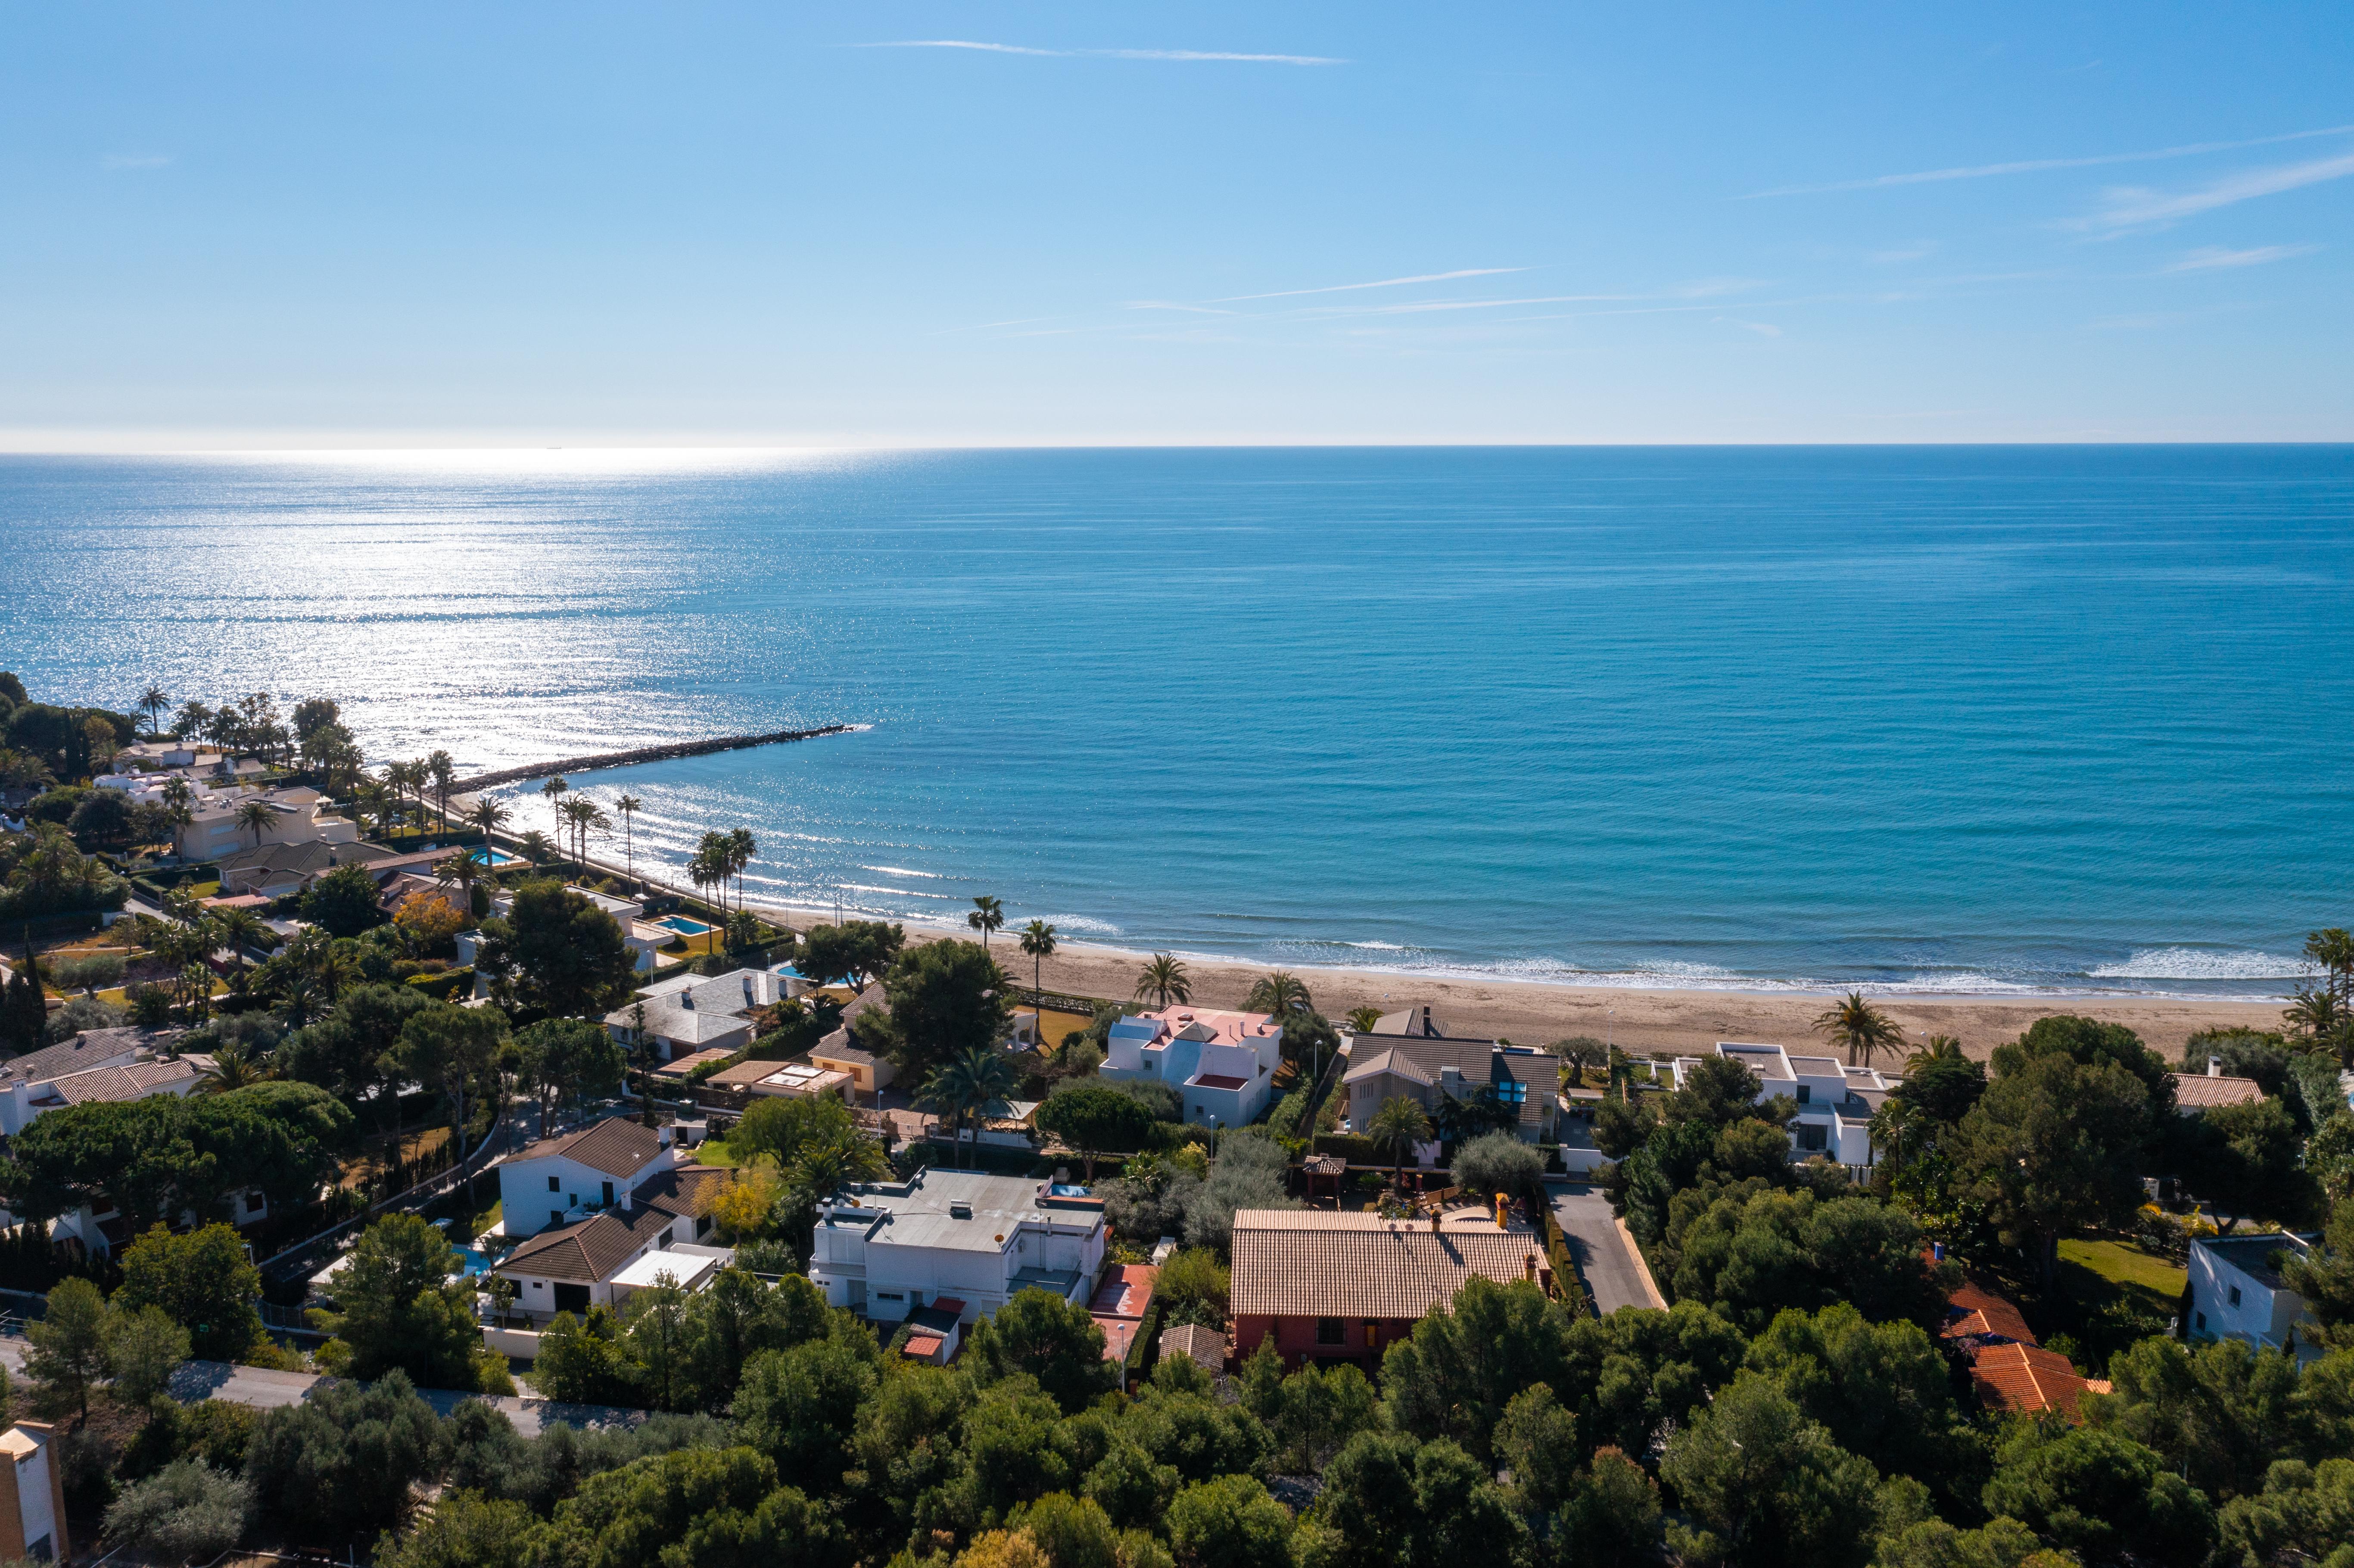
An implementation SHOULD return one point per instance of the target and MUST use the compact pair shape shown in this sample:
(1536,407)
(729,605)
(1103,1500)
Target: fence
(302,1258)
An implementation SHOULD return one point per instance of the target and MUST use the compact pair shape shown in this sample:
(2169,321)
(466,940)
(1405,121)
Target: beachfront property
(1831,1106)
(2195,1092)
(687,1014)
(1327,1287)
(277,870)
(645,940)
(2237,1293)
(1409,1054)
(1221,1064)
(887,1249)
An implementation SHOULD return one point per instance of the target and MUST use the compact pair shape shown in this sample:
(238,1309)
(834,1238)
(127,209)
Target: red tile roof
(2196,1091)
(1978,1310)
(2026,1378)
(618,1146)
(1318,1263)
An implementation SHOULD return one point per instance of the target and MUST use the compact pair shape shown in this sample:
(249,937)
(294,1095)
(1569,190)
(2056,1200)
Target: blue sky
(916,223)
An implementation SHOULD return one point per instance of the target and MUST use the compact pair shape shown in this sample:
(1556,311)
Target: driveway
(1608,1263)
(266,1390)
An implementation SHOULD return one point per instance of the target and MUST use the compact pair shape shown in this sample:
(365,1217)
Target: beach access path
(264,1389)
(1606,1260)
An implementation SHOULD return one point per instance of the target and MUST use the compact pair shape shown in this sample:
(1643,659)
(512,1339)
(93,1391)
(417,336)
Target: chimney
(1531,1263)
(625,1199)
(2214,1066)
(1434,1220)
(686,999)
(1501,1213)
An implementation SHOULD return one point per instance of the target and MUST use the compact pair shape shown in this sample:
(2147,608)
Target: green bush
(447,986)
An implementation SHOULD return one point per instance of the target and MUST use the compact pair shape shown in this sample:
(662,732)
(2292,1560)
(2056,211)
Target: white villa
(2236,1293)
(1833,1105)
(687,1014)
(888,1249)
(1221,1064)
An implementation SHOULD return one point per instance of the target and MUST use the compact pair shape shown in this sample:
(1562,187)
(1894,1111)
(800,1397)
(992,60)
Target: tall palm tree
(712,850)
(2333,950)
(535,847)
(371,799)
(1862,1028)
(1163,979)
(153,702)
(592,821)
(552,792)
(1362,1019)
(442,769)
(629,806)
(255,816)
(192,719)
(1395,1128)
(741,847)
(575,813)
(988,914)
(1038,941)
(2314,1012)
(1280,993)
(488,816)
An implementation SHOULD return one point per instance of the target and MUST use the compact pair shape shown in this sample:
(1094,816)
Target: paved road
(1606,1260)
(266,1390)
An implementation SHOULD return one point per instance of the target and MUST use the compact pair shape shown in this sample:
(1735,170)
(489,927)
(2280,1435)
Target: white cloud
(1385,283)
(134,160)
(1102,54)
(2037,166)
(2210,258)
(2135,209)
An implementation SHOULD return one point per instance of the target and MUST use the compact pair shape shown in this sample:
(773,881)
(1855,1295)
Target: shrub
(1500,1162)
(185,1511)
(1193,1288)
(88,1012)
(95,972)
(343,1462)
(447,986)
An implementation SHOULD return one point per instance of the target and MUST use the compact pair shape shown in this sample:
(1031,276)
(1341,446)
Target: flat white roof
(687,1271)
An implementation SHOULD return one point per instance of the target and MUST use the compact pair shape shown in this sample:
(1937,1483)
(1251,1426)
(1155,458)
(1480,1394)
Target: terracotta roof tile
(617,1146)
(1207,1347)
(1315,1262)
(593,1250)
(1977,1309)
(689,1190)
(2026,1378)
(2196,1091)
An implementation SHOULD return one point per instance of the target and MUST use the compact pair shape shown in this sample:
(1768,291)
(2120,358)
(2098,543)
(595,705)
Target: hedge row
(447,986)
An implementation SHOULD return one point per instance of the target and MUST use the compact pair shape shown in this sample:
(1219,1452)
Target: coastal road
(1606,1260)
(264,1389)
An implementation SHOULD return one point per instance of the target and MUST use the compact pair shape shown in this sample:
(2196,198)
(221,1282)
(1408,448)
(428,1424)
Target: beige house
(296,817)
(839,1052)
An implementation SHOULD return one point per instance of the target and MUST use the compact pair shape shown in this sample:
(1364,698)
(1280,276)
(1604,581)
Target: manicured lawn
(2095,1271)
(714,1151)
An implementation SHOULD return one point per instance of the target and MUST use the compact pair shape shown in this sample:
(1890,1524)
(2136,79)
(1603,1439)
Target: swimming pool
(683,926)
(497,857)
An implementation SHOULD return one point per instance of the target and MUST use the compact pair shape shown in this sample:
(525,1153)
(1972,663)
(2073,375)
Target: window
(608,1192)
(1811,1137)
(1805,1094)
(2202,1322)
(1331,1331)
(555,1216)
(539,1284)
(2235,1296)
(253,1201)
(553,1186)
(702,1225)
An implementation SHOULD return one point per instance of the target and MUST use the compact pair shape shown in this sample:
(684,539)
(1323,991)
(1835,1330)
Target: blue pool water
(1976,719)
(495,856)
(683,926)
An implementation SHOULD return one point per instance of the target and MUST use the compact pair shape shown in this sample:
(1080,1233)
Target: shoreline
(1637,1019)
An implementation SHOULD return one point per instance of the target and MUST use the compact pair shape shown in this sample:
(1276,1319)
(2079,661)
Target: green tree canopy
(203,1279)
(342,903)
(1042,1335)
(947,998)
(2056,1145)
(559,953)
(1094,1119)
(399,1310)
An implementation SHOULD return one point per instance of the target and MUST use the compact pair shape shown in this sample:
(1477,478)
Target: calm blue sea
(1935,719)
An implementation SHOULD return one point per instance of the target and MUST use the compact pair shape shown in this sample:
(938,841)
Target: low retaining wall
(521,1344)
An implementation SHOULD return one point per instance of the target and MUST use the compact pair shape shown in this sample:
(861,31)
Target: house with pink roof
(1222,1064)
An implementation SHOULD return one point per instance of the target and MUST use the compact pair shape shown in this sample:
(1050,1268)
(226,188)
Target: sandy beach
(1637,1019)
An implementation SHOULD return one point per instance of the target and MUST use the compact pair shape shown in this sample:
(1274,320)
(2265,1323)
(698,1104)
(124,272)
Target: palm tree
(1038,941)
(191,719)
(234,1067)
(153,702)
(576,812)
(242,930)
(371,799)
(712,850)
(1164,979)
(1395,1128)
(2333,950)
(489,816)
(987,916)
(535,847)
(1940,1047)
(593,821)
(1362,1019)
(741,847)
(970,1084)
(1862,1028)
(2316,1013)
(442,769)
(1279,993)
(255,816)
(553,792)
(629,806)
